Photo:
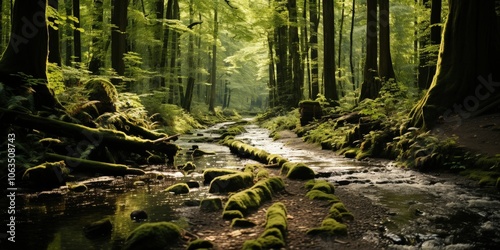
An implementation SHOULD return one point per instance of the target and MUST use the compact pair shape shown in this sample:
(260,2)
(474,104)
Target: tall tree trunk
(329,52)
(467,81)
(27,53)
(313,42)
(297,72)
(341,31)
(69,33)
(77,40)
(371,85)
(97,47)
(386,71)
(304,37)
(191,66)
(427,67)
(282,66)
(351,41)
(1,26)
(213,72)
(118,35)
(54,41)
(272,72)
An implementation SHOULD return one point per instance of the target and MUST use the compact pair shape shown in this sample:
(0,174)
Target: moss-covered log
(98,137)
(94,167)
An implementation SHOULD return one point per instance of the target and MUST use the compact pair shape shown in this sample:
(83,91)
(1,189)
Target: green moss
(484,178)
(47,175)
(211,173)
(273,232)
(339,206)
(330,227)
(276,159)
(200,244)
(231,182)
(271,242)
(262,174)
(156,235)
(179,188)
(320,195)
(351,153)
(211,204)
(239,222)
(232,214)
(276,217)
(252,245)
(309,184)
(188,166)
(300,172)
(487,162)
(285,168)
(324,186)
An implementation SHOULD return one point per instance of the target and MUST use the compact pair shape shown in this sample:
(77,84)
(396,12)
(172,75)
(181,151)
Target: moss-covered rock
(253,197)
(276,217)
(232,214)
(138,215)
(46,176)
(187,167)
(324,186)
(200,244)
(320,195)
(211,204)
(211,173)
(240,222)
(179,188)
(330,227)
(273,235)
(98,229)
(300,172)
(285,168)
(153,236)
(231,182)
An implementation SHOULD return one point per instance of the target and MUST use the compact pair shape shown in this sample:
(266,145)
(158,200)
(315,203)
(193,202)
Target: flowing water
(425,212)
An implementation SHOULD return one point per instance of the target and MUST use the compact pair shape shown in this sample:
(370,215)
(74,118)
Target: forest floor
(479,135)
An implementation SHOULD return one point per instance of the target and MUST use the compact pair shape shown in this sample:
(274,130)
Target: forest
(92,88)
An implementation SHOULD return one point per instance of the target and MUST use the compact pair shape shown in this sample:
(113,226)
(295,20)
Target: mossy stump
(309,111)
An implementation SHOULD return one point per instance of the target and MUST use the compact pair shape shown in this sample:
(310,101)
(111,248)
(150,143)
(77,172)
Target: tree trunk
(386,71)
(341,31)
(351,41)
(427,67)
(97,47)
(54,41)
(213,72)
(77,40)
(27,54)
(467,80)
(294,53)
(118,35)
(69,33)
(329,52)
(313,15)
(272,72)
(371,85)
(191,66)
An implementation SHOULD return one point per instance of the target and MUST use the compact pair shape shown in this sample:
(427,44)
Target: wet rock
(98,229)
(211,173)
(396,239)
(192,203)
(200,244)
(199,152)
(231,183)
(78,188)
(211,204)
(152,236)
(179,188)
(139,215)
(300,172)
(46,176)
(193,184)
(238,222)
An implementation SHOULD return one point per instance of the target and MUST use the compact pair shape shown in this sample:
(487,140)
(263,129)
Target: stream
(426,212)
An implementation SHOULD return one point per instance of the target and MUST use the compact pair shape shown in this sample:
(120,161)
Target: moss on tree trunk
(467,80)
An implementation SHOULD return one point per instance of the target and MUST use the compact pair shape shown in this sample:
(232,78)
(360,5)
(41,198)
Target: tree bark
(351,47)
(54,41)
(371,85)
(331,94)
(118,35)
(386,71)
(213,72)
(313,15)
(427,67)
(295,58)
(27,54)
(467,81)
(191,66)
(97,47)
(341,31)
(77,40)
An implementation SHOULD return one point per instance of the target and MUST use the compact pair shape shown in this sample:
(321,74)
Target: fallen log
(94,167)
(98,137)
